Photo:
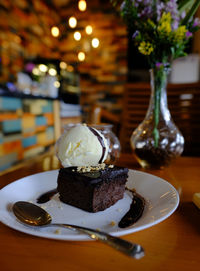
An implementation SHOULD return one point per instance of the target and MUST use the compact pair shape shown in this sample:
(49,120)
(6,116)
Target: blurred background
(65,61)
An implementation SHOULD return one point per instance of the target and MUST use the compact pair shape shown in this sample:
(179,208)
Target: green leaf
(185,4)
(191,12)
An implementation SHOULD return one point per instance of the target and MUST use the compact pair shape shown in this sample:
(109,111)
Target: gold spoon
(34,215)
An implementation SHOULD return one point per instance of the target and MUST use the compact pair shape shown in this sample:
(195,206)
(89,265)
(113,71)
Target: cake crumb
(111,166)
(57,231)
(84,169)
(112,223)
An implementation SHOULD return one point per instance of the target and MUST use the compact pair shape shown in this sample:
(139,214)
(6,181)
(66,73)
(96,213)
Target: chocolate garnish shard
(101,142)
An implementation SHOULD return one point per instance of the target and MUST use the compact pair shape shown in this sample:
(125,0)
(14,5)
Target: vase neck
(158,99)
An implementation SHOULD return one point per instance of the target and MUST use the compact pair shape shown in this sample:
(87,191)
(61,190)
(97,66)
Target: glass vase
(157,140)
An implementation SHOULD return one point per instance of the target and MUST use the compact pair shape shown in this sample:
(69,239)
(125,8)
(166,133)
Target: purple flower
(135,34)
(144,8)
(158,65)
(122,6)
(196,22)
(188,34)
(147,12)
(183,14)
(29,67)
(160,8)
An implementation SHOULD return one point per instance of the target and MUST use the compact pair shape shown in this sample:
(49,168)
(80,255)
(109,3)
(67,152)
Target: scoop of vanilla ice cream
(82,146)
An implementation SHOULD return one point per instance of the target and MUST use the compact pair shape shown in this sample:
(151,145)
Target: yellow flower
(164,25)
(166,17)
(151,23)
(179,33)
(146,48)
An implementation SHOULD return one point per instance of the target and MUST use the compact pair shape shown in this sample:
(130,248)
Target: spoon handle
(126,247)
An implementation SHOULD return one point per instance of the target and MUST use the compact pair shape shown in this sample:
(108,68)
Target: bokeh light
(82,5)
(77,35)
(89,29)
(72,22)
(95,42)
(52,72)
(81,56)
(55,31)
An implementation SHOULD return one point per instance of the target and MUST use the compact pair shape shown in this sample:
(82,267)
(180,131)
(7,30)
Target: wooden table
(174,244)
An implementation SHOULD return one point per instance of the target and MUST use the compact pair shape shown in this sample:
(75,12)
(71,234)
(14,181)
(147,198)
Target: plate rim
(83,237)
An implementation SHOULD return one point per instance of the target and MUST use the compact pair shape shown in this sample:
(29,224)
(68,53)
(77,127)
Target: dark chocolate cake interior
(92,191)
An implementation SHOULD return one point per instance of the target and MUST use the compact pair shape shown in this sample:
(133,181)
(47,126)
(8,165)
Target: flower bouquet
(161,30)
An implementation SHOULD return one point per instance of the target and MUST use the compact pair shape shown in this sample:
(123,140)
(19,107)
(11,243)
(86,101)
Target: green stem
(160,77)
(156,116)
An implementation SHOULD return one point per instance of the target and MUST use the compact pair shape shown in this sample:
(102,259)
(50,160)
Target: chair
(99,115)
(184,105)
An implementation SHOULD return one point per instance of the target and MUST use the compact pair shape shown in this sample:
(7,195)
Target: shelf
(27,128)
(20,95)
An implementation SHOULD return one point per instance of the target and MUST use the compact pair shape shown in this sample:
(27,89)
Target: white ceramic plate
(161,201)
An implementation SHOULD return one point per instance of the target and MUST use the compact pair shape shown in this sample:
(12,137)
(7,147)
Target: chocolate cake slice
(92,191)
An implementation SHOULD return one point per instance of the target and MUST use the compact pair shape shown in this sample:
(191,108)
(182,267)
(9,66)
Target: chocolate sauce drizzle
(46,196)
(101,142)
(135,211)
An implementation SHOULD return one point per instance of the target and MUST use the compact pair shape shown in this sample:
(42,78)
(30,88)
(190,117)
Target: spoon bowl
(34,215)
(31,214)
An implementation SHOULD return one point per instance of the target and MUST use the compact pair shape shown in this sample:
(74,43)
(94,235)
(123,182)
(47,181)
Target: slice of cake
(85,181)
(92,189)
